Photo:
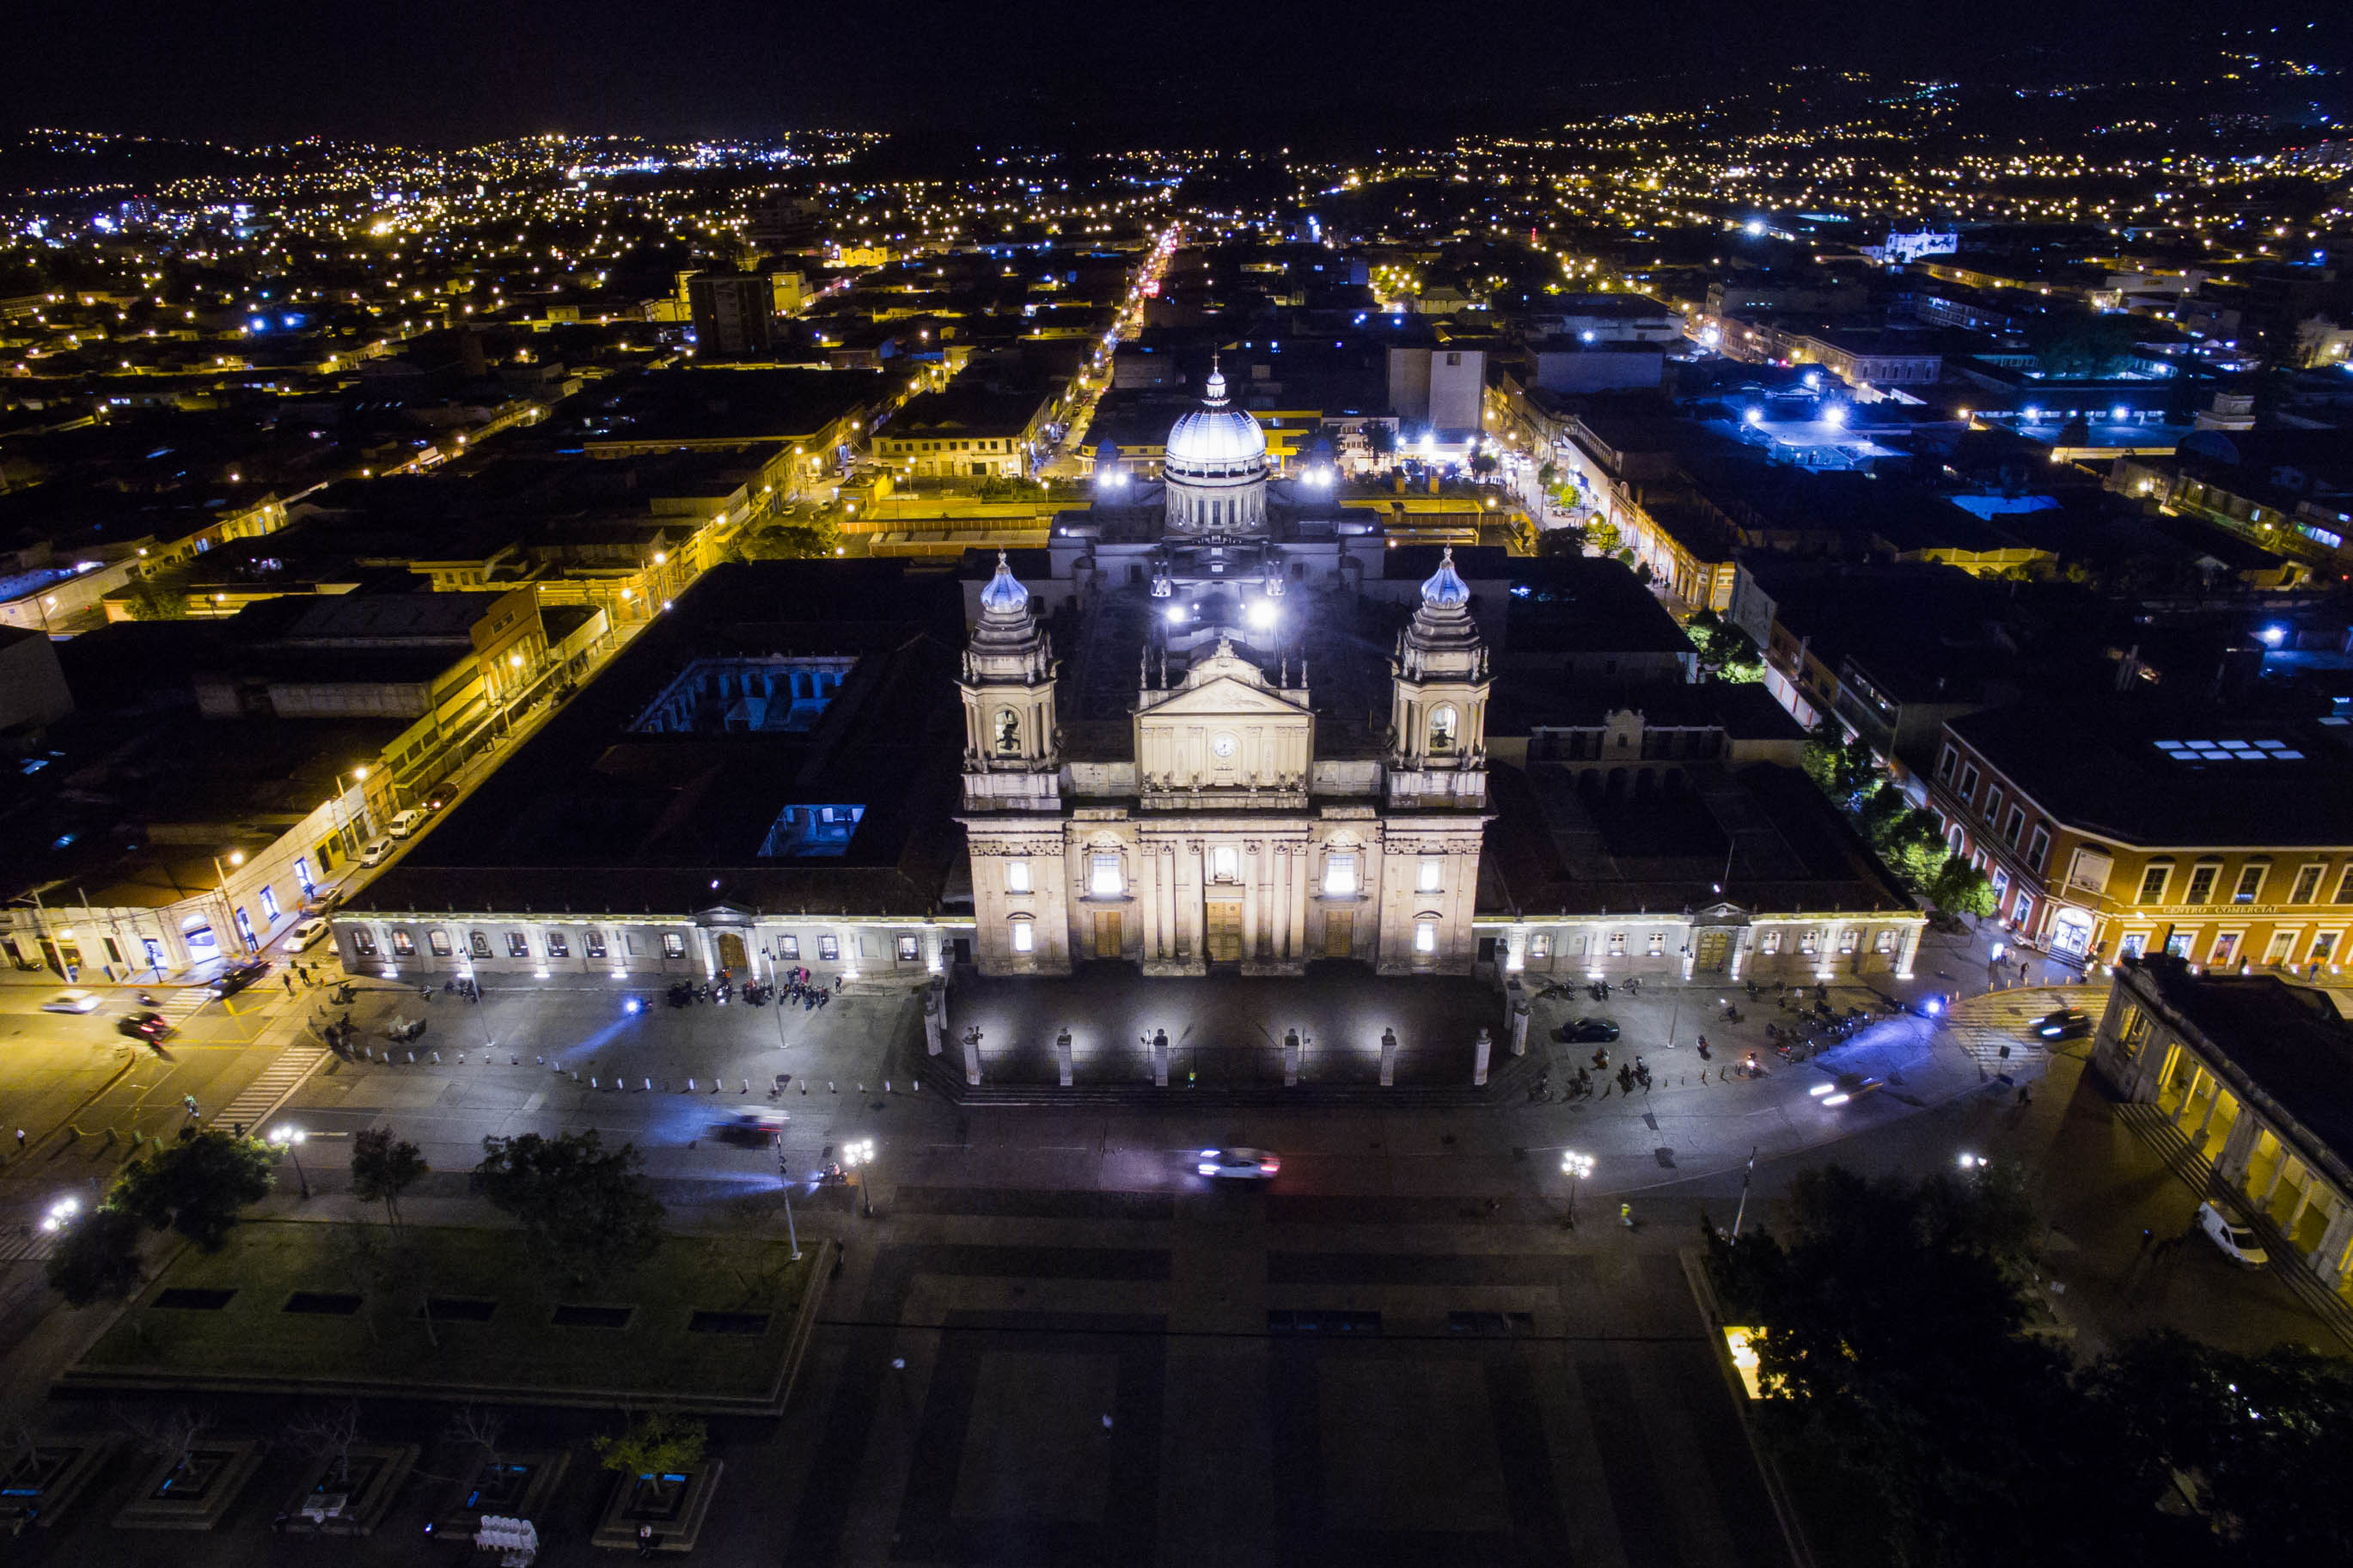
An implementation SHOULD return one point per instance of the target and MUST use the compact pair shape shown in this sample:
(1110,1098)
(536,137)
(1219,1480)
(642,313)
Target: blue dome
(1004,595)
(1445,590)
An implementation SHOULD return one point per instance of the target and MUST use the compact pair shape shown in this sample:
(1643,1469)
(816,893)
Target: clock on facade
(1223,745)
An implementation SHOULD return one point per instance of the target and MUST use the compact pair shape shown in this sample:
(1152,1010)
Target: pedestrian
(2025,1095)
(645,1540)
(190,1102)
(2022,972)
(288,980)
(2147,1237)
(20,1140)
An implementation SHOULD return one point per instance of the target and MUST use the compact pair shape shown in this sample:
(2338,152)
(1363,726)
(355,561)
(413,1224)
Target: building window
(2178,944)
(1540,945)
(2134,944)
(1425,936)
(556,946)
(269,904)
(1769,943)
(2152,880)
(909,950)
(1103,879)
(1884,941)
(593,942)
(2323,946)
(2011,829)
(1025,937)
(1847,938)
(478,944)
(403,944)
(439,941)
(788,947)
(1657,946)
(829,949)
(2251,881)
(2226,947)
(1968,784)
(1616,944)
(363,941)
(1994,803)
(1809,943)
(1225,864)
(2038,849)
(302,878)
(1339,875)
(673,944)
(1945,764)
(1442,730)
(518,945)
(1433,871)
(2307,885)
(630,945)
(2344,887)
(1016,875)
(1007,732)
(2201,884)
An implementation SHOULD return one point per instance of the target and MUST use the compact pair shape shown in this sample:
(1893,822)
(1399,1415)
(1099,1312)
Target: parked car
(237,976)
(71,1002)
(376,852)
(2067,1024)
(1249,1165)
(322,901)
(305,934)
(405,823)
(2238,1243)
(1589,1032)
(143,1025)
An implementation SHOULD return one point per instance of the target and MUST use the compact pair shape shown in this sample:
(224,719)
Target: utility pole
(1741,1213)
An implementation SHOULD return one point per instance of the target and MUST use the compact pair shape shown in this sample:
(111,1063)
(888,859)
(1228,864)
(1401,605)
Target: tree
(582,1210)
(1839,765)
(1605,538)
(1548,473)
(1380,438)
(98,1258)
(1558,542)
(1960,889)
(383,1168)
(196,1185)
(153,601)
(329,1432)
(657,1446)
(1725,651)
(2081,343)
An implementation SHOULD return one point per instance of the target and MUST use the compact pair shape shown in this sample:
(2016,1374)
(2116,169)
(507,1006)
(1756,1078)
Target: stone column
(2214,1105)
(935,1016)
(1908,950)
(1389,1058)
(1290,1059)
(1249,901)
(1481,1049)
(2328,1260)
(2279,1169)
(1515,948)
(2239,1148)
(1062,1056)
(1735,954)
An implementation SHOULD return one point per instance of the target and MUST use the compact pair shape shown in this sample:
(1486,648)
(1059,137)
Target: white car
(376,852)
(2237,1242)
(305,934)
(1248,1165)
(406,823)
(71,1002)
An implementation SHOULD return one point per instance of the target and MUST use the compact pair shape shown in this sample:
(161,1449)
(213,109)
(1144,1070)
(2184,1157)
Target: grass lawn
(519,1343)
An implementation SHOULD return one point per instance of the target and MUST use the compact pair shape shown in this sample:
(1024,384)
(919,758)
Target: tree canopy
(583,1210)
(97,1260)
(384,1167)
(195,1184)
(1725,651)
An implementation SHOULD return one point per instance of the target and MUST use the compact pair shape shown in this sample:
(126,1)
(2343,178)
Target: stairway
(2156,1130)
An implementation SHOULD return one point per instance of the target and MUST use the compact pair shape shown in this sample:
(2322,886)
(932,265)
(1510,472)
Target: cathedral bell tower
(1438,711)
(1012,759)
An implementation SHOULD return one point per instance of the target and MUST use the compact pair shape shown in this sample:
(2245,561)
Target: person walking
(20,1140)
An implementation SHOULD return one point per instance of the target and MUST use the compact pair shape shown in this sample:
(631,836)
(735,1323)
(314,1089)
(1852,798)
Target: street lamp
(60,1215)
(1576,1167)
(290,1139)
(860,1156)
(228,906)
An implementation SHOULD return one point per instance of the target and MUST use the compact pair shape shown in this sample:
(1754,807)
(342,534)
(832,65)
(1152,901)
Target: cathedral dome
(1216,438)
(1446,590)
(1004,595)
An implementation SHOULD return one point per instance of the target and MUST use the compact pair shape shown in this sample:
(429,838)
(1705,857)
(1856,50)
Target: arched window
(1441,728)
(1008,730)
(1025,933)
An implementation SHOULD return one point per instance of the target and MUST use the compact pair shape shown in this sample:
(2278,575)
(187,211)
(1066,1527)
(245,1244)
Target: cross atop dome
(1213,392)
(1446,590)
(1004,594)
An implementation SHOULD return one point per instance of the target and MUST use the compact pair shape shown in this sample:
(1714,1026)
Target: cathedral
(1216,807)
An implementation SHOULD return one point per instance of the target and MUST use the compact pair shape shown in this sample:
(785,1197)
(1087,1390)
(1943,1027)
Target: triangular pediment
(1223,696)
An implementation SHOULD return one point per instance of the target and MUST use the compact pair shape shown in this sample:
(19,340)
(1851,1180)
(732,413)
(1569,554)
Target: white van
(406,823)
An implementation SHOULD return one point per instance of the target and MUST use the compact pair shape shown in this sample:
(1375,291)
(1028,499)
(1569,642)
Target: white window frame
(1025,934)
(1540,945)
(1225,863)
(1432,875)
(1105,878)
(1425,935)
(1340,877)
(2241,892)
(2163,872)
(1016,875)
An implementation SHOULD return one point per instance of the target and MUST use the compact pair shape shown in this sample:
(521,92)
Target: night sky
(446,73)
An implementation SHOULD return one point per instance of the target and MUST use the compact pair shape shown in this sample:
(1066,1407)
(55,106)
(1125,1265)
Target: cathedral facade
(1221,832)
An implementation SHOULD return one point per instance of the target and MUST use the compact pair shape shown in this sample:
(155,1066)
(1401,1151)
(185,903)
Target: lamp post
(1576,1167)
(228,906)
(290,1139)
(860,1156)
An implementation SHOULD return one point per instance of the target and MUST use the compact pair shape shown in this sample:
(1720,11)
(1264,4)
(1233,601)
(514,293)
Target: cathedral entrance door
(1339,933)
(1224,932)
(1107,942)
(731,953)
(1707,953)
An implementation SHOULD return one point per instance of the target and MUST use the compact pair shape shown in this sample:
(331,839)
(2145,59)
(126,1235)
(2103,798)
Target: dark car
(2067,1024)
(236,977)
(1589,1032)
(144,1027)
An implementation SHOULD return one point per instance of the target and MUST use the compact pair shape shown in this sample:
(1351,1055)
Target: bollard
(514,1060)
(718,1084)
(829,1089)
(540,1059)
(412,1058)
(649,1086)
(137,1138)
(690,1084)
(592,1081)
(747,1086)
(112,1138)
(461,1058)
